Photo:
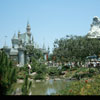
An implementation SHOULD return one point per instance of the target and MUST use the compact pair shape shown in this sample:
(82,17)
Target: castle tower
(21,56)
(18,34)
(15,42)
(28,29)
(32,40)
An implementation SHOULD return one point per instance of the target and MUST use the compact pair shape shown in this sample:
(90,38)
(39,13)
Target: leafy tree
(34,52)
(75,48)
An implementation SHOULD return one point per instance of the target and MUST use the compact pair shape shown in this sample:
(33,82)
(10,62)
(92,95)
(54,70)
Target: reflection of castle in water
(18,51)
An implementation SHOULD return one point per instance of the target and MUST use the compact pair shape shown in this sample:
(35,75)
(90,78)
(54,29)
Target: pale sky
(49,19)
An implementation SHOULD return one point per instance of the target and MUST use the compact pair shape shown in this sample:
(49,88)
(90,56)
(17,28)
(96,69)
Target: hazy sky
(49,19)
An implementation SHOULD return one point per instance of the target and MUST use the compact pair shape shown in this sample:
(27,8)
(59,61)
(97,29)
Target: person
(29,67)
(17,65)
(95,64)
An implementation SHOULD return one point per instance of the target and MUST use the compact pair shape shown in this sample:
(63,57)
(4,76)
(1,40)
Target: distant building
(18,52)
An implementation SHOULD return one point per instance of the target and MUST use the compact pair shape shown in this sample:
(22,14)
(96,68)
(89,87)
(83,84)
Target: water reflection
(50,91)
(49,87)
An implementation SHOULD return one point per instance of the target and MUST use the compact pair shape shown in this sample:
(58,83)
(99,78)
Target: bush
(41,68)
(26,86)
(8,74)
(92,70)
(20,77)
(53,71)
(77,76)
(39,77)
(82,75)
(73,68)
(64,68)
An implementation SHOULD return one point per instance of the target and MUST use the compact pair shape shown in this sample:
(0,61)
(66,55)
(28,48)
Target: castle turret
(15,42)
(28,29)
(32,40)
(18,34)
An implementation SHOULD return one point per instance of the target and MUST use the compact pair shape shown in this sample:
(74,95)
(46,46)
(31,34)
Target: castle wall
(21,58)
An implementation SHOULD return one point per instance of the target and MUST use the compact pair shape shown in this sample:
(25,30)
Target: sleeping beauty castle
(18,52)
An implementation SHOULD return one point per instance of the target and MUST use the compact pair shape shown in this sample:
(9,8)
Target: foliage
(84,72)
(54,71)
(83,87)
(8,73)
(34,64)
(92,70)
(36,53)
(39,77)
(26,86)
(39,68)
(75,48)
(73,68)
(64,68)
(22,71)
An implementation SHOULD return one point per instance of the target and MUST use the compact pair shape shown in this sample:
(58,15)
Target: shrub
(64,68)
(73,68)
(20,77)
(41,69)
(92,70)
(53,71)
(26,86)
(8,73)
(39,77)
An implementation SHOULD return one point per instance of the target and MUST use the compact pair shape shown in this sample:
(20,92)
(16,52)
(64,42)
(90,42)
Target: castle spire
(28,28)
(18,33)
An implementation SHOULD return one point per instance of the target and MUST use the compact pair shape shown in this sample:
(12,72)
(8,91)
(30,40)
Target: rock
(33,74)
(47,78)
(20,81)
(95,28)
(57,79)
(30,79)
(38,80)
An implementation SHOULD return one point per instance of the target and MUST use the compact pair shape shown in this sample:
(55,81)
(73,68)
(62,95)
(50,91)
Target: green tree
(75,48)
(7,74)
(26,86)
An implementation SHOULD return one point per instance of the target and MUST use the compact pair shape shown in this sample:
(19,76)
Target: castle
(18,52)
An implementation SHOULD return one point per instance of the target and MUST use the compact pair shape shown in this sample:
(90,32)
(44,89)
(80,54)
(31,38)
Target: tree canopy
(75,48)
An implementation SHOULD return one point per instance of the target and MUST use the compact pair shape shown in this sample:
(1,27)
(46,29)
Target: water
(49,87)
